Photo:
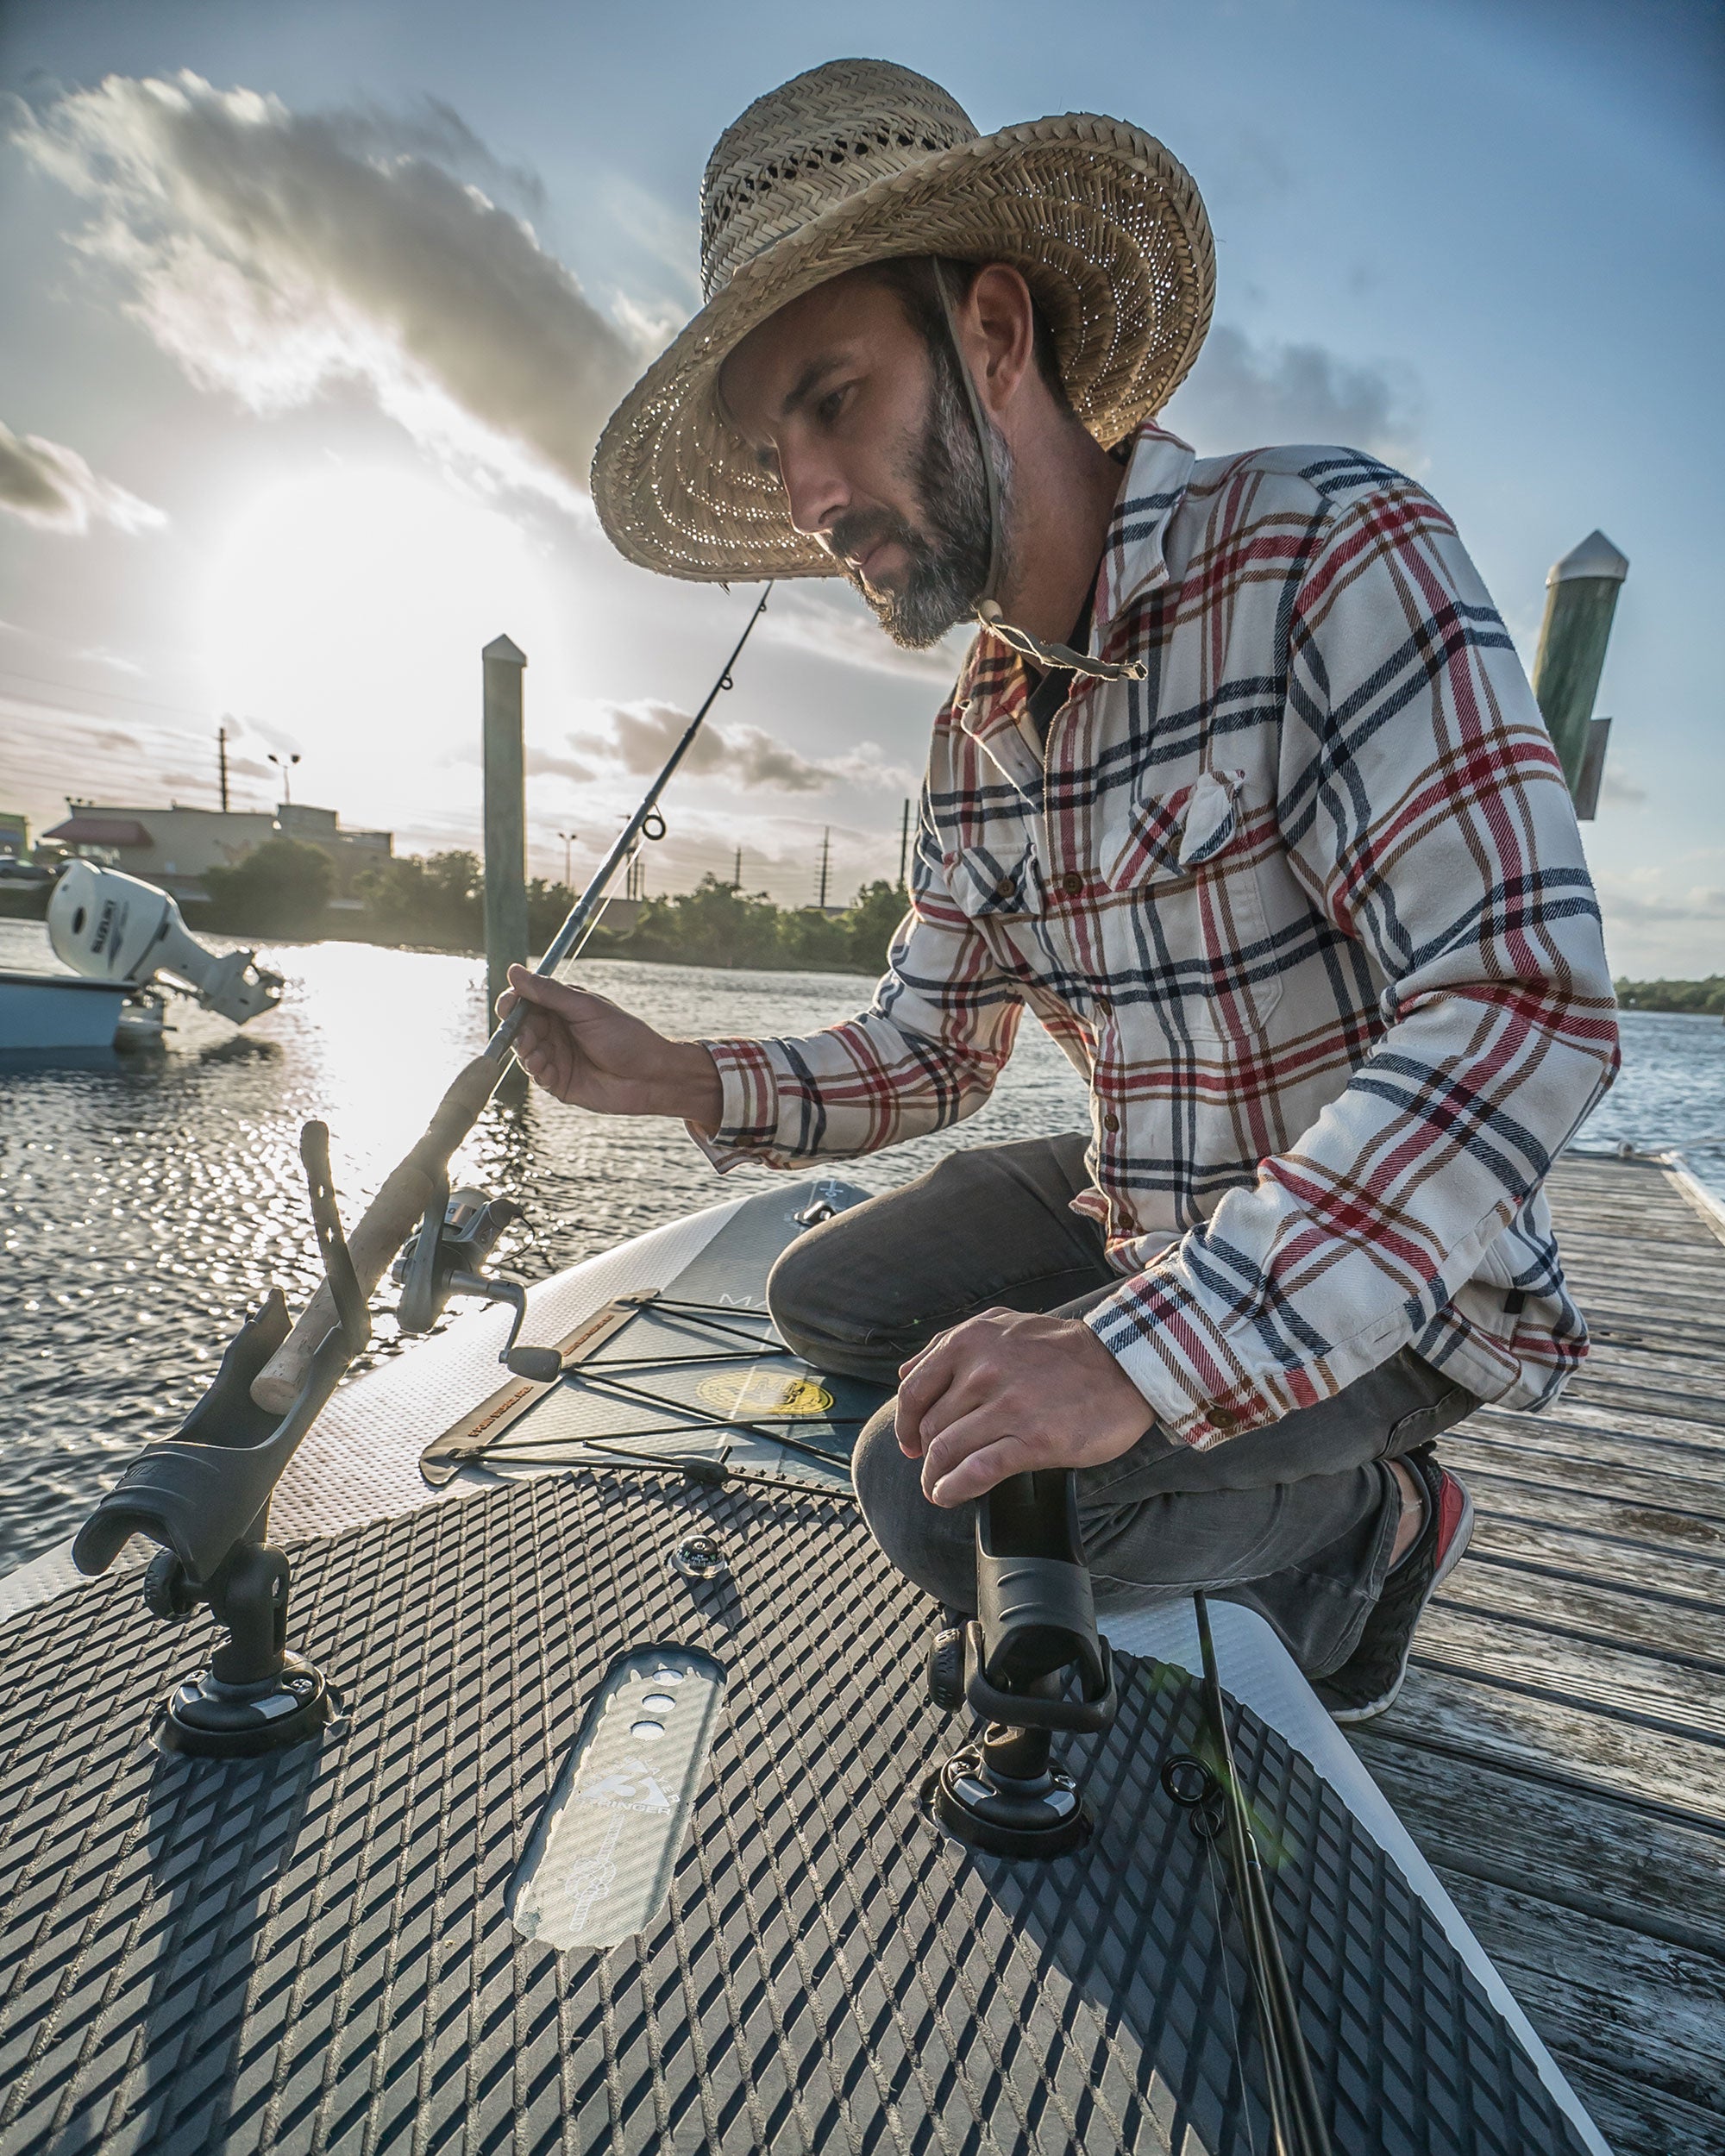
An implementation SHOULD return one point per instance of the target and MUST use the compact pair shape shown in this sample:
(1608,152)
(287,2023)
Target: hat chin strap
(987,610)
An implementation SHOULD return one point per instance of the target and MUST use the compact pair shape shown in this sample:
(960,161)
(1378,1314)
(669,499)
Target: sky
(310,311)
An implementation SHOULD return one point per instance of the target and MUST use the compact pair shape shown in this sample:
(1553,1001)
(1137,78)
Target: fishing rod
(1216,1797)
(204,1494)
(407,1193)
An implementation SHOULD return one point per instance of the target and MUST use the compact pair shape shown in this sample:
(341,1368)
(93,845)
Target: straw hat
(858,162)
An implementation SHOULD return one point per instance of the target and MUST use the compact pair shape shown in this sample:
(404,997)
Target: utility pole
(222,763)
(569,839)
(825,865)
(1581,598)
(904,843)
(737,871)
(506,817)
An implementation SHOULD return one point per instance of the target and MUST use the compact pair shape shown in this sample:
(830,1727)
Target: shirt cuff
(748,1113)
(1141,1325)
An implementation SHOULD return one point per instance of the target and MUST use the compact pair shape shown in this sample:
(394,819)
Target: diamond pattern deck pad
(313,1952)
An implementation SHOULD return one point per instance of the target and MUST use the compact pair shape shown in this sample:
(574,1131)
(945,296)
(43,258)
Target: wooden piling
(506,817)
(1581,598)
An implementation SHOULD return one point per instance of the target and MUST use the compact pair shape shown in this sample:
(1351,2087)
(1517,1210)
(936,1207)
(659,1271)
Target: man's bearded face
(947,548)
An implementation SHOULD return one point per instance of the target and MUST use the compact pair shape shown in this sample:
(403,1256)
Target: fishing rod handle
(387,1222)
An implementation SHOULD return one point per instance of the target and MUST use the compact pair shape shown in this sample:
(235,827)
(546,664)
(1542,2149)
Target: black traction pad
(313,1952)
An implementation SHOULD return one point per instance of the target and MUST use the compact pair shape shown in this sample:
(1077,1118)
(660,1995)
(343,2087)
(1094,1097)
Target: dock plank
(1652,1532)
(1638,2120)
(1559,1748)
(1572,1745)
(1470,1816)
(1606,1992)
(1564,1552)
(1547,1664)
(1609,1615)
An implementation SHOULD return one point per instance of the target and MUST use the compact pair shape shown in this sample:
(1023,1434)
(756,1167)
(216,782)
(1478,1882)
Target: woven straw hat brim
(1109,231)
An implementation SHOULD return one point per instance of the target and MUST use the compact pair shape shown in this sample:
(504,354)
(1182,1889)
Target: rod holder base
(1007,1797)
(203,1718)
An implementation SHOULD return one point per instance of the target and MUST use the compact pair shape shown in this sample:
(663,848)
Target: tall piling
(1581,598)
(506,817)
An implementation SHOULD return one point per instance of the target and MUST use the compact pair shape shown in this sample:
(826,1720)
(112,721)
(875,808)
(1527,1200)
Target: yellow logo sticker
(765,1393)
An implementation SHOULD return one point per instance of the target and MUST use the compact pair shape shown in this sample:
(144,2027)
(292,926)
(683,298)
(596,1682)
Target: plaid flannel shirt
(1307,909)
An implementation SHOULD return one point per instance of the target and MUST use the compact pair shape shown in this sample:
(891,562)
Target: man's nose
(815,490)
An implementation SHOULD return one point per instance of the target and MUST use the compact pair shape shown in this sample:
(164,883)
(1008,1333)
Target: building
(15,836)
(175,847)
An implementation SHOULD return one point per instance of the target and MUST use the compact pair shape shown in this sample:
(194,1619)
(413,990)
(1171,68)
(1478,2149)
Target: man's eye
(831,404)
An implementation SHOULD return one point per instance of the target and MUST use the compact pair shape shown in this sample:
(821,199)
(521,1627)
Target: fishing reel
(446,1257)
(1029,1664)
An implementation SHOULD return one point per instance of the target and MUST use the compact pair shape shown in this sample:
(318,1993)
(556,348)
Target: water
(146,1206)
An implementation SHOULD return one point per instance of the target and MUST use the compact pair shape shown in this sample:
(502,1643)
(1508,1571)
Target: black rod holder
(203,1496)
(1033,1664)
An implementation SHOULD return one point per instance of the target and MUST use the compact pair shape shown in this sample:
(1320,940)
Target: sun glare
(348,611)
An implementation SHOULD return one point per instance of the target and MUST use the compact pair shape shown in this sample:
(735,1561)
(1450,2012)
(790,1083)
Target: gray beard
(948,555)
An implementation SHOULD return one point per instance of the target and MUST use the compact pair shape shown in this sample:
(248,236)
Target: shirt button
(1224,1421)
(1072,883)
(1004,888)
(1110,1121)
(1104,1008)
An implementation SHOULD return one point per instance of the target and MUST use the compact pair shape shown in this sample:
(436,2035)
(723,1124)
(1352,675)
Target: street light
(284,768)
(569,839)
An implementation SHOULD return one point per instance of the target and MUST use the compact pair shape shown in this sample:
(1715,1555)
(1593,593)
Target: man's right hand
(586,1050)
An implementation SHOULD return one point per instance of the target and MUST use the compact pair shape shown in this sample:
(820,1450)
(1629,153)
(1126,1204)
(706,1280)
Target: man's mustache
(854,535)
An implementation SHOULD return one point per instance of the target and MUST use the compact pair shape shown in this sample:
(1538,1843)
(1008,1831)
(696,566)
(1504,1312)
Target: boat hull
(50,1010)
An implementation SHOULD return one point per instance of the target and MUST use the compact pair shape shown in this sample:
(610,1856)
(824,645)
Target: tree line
(1706,997)
(284,887)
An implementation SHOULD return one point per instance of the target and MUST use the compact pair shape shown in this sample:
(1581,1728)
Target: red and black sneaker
(1369,1680)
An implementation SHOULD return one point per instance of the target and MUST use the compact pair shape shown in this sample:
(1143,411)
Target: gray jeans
(1296,1520)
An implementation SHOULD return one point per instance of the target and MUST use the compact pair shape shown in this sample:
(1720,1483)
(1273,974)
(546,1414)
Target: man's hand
(588,1051)
(1005,1393)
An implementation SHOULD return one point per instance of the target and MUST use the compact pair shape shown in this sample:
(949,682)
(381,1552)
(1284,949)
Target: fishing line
(1227,1991)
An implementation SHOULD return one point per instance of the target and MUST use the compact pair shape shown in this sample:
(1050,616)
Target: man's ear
(998,324)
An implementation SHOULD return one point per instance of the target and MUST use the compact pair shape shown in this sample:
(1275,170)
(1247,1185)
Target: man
(1241,791)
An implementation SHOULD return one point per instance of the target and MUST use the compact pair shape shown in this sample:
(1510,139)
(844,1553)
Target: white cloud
(274,253)
(542,763)
(640,736)
(1242,396)
(832,622)
(46,484)
(1622,791)
(1619,902)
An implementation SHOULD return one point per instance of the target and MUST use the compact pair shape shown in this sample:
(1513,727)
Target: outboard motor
(108,926)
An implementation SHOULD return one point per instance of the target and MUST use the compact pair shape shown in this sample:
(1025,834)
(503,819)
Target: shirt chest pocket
(987,886)
(1195,917)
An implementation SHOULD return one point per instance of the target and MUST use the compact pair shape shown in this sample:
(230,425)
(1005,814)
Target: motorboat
(117,937)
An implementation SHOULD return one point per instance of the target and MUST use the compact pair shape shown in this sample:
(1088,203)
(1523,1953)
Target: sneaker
(1367,1682)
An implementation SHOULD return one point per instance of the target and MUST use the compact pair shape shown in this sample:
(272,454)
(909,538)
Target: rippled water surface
(146,1204)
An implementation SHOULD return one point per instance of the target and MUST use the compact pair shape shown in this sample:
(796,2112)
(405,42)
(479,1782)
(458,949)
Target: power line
(115,696)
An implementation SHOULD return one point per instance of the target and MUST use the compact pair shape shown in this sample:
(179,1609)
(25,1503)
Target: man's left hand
(1007,1392)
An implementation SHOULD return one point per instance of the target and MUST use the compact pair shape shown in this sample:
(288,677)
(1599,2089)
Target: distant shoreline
(1674,999)
(1677,998)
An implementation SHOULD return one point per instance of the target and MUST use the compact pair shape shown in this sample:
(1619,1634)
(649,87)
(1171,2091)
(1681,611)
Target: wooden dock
(1559,1751)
